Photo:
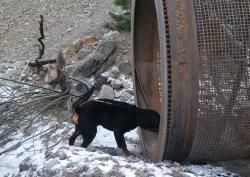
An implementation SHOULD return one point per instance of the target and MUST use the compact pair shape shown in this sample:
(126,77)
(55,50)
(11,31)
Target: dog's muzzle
(75,118)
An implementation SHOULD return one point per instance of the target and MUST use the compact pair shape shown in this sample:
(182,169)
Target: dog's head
(75,118)
(77,103)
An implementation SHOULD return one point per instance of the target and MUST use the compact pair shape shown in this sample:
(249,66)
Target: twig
(41,148)
(21,142)
(36,86)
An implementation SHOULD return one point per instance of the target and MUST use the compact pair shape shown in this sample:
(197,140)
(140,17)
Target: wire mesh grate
(223,28)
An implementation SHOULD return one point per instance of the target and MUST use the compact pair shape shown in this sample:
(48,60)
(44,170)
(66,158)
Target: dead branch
(27,139)
(34,63)
(36,86)
(41,46)
(61,77)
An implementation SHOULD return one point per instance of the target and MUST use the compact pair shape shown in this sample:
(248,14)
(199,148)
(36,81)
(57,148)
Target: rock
(69,56)
(125,96)
(81,87)
(106,92)
(116,84)
(25,165)
(48,86)
(73,48)
(126,85)
(76,171)
(90,40)
(69,29)
(83,54)
(96,172)
(114,73)
(143,172)
(176,164)
(125,68)
(71,164)
(115,171)
(106,65)
(68,69)
(100,81)
(117,94)
(130,91)
(48,168)
(62,155)
(111,35)
(77,45)
(95,60)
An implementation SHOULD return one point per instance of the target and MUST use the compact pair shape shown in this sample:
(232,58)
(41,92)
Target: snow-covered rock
(116,84)
(126,97)
(106,92)
(111,35)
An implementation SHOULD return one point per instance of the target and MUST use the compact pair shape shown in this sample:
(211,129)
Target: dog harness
(100,101)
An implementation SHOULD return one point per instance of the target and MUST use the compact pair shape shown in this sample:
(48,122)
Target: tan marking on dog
(75,118)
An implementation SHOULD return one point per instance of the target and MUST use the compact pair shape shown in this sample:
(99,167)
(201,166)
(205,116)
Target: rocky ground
(77,30)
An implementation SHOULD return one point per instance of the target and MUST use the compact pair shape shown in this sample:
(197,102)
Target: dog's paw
(124,152)
(71,143)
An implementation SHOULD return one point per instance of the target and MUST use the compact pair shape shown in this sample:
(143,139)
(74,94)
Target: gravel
(64,22)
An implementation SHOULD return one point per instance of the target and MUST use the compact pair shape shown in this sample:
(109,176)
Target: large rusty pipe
(183,68)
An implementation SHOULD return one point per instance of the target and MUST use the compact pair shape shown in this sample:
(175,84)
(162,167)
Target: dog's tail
(83,98)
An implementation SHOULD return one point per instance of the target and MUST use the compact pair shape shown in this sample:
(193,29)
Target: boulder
(95,60)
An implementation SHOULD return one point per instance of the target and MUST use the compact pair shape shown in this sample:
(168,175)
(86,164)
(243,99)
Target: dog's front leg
(73,137)
(88,136)
(119,137)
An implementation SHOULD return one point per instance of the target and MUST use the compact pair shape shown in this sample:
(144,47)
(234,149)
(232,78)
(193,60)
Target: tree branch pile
(21,107)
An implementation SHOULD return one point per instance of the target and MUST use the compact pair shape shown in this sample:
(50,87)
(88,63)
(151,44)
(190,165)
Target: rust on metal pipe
(191,63)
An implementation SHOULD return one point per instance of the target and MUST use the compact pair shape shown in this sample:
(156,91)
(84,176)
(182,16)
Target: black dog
(116,116)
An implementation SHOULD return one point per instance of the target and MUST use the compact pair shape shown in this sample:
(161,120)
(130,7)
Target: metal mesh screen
(223,32)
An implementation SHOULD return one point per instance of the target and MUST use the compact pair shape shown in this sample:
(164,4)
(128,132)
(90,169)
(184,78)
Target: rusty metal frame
(177,128)
(184,66)
(170,50)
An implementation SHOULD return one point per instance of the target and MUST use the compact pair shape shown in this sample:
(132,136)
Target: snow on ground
(44,151)
(48,154)
(36,158)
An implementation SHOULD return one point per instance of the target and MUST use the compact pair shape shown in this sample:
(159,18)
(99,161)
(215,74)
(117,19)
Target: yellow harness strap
(99,101)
